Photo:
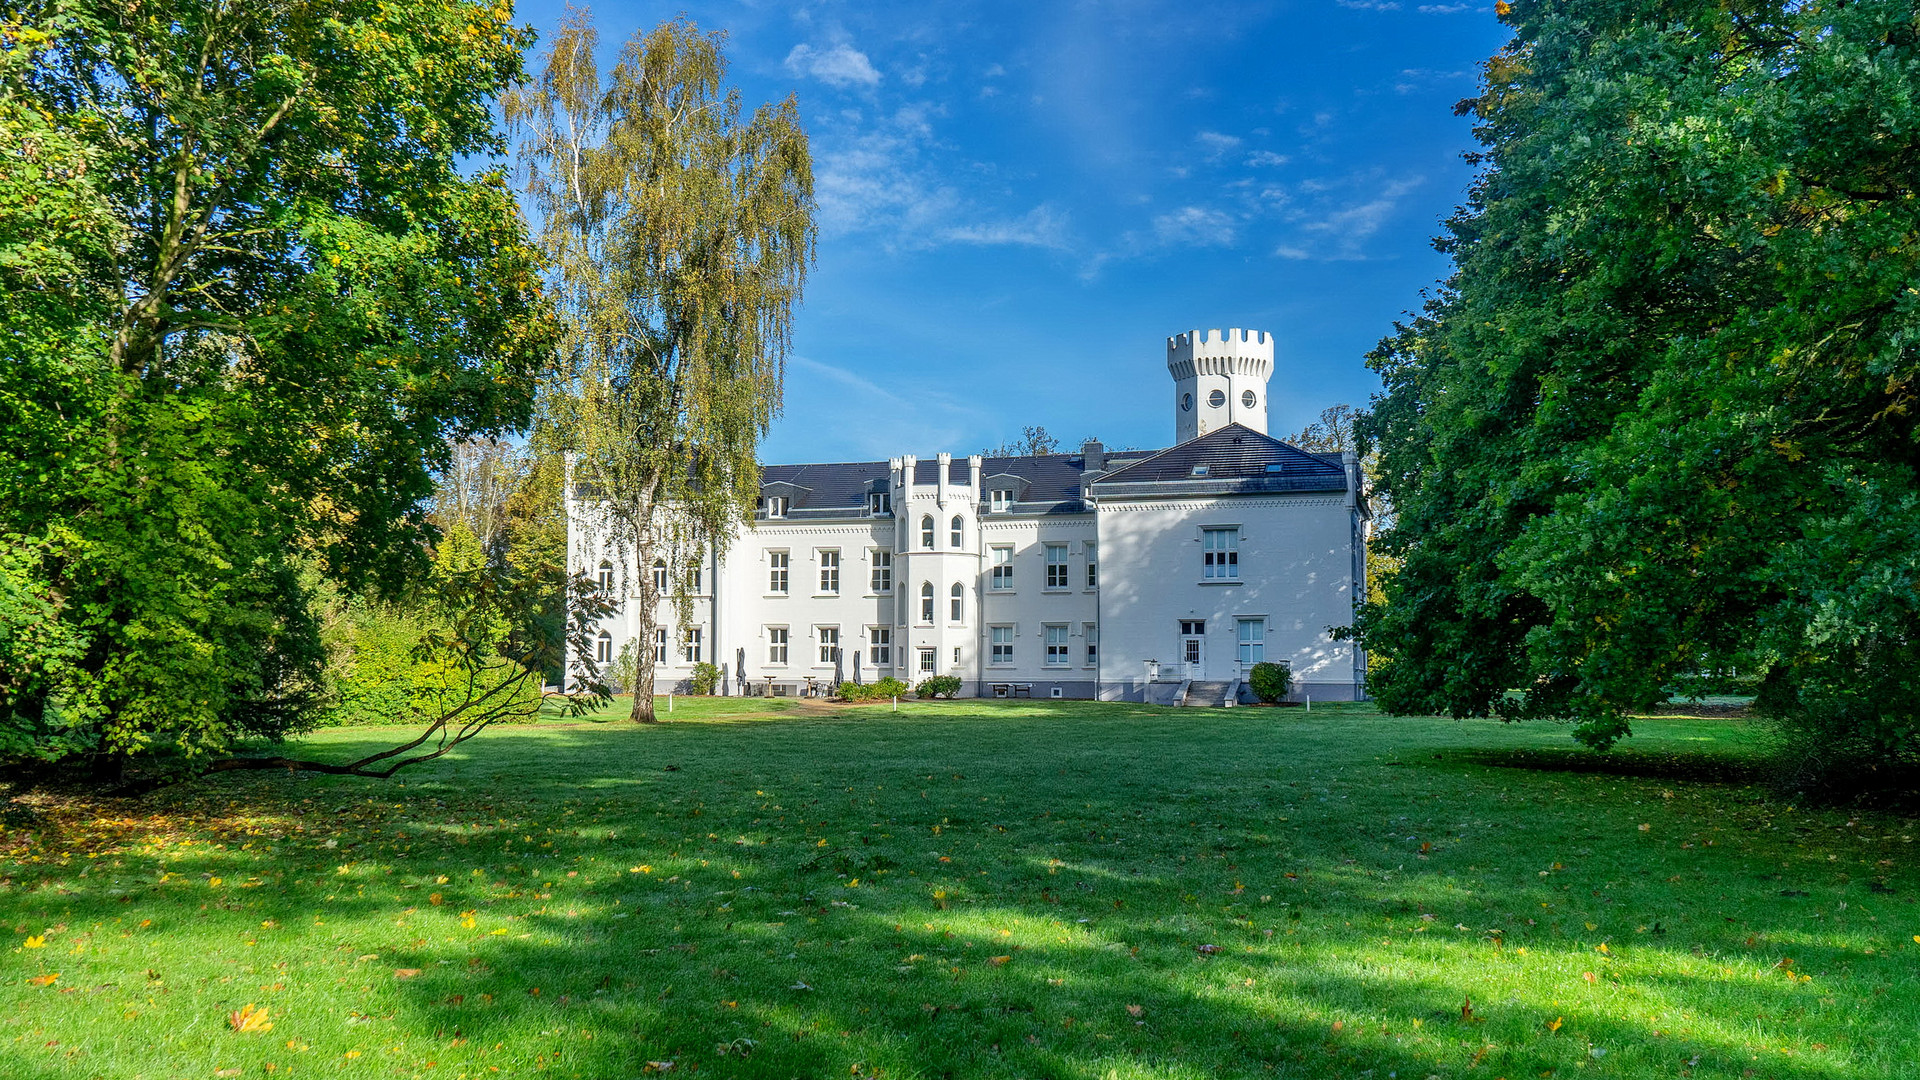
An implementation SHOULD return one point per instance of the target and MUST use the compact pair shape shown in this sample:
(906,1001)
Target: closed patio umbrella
(837,675)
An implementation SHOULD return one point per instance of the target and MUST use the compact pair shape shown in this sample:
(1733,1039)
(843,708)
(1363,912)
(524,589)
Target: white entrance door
(1193,650)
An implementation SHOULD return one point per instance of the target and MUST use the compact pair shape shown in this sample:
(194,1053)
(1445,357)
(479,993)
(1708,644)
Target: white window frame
(829,571)
(1059,566)
(880,645)
(660,581)
(881,579)
(926,532)
(777,644)
(1000,500)
(778,505)
(926,603)
(1220,553)
(1093,566)
(1000,644)
(605,577)
(1251,648)
(1091,631)
(603,648)
(1059,650)
(1002,580)
(957,603)
(659,646)
(828,638)
(879,503)
(957,533)
(927,660)
(690,645)
(779,573)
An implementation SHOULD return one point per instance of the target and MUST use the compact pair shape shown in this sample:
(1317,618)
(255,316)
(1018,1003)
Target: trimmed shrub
(938,686)
(705,678)
(1270,681)
(886,688)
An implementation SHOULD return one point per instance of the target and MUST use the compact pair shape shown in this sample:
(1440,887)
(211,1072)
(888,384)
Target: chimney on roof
(1095,454)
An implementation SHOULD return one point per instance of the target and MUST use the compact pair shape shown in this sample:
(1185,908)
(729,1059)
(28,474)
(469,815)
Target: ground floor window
(1057,643)
(603,648)
(1253,641)
(777,645)
(880,645)
(660,647)
(690,645)
(1093,642)
(1002,645)
(926,661)
(829,643)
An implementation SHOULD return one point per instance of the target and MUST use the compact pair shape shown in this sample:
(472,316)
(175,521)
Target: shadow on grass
(1686,766)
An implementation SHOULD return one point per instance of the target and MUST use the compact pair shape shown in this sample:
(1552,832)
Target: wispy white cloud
(1216,143)
(840,66)
(1369,5)
(1196,225)
(1448,9)
(1043,226)
(1337,230)
(1261,159)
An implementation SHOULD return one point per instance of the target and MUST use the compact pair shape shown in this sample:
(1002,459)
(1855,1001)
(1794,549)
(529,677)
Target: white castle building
(1125,576)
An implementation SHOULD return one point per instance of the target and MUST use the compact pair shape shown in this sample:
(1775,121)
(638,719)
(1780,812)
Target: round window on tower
(1247,398)
(1217,398)
(1186,402)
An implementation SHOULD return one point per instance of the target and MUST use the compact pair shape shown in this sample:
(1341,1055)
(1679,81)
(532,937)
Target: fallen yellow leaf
(405,973)
(249,1019)
(45,980)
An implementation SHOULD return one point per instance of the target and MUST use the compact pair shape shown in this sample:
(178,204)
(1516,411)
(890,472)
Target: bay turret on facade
(1123,575)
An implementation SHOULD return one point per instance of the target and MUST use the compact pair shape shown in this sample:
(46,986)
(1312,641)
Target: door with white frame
(1193,647)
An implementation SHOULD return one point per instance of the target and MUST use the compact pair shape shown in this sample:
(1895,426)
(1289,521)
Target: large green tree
(251,285)
(1662,415)
(680,232)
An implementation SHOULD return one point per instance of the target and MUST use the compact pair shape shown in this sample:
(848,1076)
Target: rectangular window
(1003,568)
(1056,566)
(880,645)
(1093,566)
(1000,500)
(956,656)
(660,647)
(1193,627)
(926,661)
(777,563)
(777,645)
(879,502)
(1253,641)
(690,645)
(957,534)
(882,581)
(693,579)
(777,506)
(829,643)
(603,649)
(1221,555)
(659,579)
(1092,631)
(1056,644)
(830,572)
(1002,645)
(957,603)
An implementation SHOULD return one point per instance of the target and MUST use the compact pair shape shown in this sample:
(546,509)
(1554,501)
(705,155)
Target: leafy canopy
(247,296)
(1662,415)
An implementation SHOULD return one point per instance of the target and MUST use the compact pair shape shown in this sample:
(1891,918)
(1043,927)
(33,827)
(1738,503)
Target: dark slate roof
(840,485)
(1235,453)
(927,471)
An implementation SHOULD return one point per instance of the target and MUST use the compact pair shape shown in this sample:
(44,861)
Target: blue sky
(1019,202)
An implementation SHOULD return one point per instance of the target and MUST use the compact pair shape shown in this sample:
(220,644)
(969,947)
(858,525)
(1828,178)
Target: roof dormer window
(999,500)
(777,506)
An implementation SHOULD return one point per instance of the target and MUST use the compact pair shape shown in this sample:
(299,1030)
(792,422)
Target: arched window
(926,601)
(660,576)
(956,601)
(606,576)
(603,648)
(926,532)
(959,536)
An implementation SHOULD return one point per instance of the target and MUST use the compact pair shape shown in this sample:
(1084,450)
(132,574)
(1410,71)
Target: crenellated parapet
(1220,377)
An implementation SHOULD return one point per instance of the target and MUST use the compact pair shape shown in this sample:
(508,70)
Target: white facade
(1072,575)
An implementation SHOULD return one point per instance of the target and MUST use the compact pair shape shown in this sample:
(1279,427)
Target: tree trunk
(645,543)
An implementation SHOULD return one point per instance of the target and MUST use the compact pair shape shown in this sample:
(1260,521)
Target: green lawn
(973,889)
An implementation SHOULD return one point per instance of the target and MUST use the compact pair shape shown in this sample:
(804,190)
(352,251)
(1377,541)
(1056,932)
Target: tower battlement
(1219,378)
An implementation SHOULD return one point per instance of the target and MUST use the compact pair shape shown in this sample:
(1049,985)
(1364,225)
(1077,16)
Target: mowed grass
(973,889)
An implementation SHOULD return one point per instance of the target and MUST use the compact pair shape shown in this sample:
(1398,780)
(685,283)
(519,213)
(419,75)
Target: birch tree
(679,233)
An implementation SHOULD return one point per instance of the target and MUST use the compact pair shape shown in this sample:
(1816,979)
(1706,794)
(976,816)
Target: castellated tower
(1219,378)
